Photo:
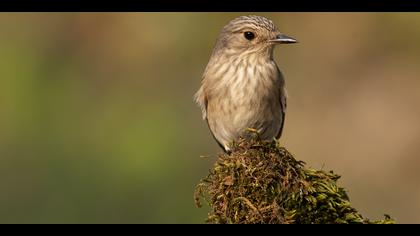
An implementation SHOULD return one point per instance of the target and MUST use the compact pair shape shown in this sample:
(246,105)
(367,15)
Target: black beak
(281,38)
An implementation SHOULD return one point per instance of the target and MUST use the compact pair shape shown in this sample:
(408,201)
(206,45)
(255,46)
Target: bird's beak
(281,38)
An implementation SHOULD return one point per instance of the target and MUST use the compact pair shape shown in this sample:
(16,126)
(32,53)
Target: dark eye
(249,35)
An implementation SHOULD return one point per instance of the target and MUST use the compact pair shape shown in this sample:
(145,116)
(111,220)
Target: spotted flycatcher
(242,88)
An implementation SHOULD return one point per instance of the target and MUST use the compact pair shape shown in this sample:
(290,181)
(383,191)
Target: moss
(261,182)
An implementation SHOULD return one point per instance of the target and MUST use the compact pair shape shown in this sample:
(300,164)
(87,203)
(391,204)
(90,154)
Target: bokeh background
(98,124)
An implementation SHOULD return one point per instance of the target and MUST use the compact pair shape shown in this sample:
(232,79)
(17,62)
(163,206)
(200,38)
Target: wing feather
(283,103)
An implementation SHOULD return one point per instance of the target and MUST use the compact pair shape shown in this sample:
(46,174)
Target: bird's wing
(201,99)
(283,103)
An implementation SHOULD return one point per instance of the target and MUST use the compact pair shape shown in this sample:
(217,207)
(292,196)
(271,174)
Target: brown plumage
(242,86)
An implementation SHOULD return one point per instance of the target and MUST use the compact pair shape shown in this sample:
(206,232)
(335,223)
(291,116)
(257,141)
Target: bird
(242,88)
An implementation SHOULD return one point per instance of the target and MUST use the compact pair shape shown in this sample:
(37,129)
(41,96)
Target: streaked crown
(247,35)
(250,22)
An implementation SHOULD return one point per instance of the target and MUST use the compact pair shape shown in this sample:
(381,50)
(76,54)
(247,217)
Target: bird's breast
(247,97)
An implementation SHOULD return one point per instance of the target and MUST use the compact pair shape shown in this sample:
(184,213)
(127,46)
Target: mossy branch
(261,182)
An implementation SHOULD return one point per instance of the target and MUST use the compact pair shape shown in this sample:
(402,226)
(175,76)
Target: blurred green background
(98,123)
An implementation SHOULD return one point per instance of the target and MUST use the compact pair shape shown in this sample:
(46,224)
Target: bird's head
(247,35)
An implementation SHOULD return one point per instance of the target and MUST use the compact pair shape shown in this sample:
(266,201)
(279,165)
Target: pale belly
(230,121)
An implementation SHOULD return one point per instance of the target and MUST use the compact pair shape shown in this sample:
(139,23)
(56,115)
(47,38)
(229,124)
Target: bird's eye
(249,35)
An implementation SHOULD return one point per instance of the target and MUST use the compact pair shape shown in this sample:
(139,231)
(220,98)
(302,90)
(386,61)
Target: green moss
(261,182)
